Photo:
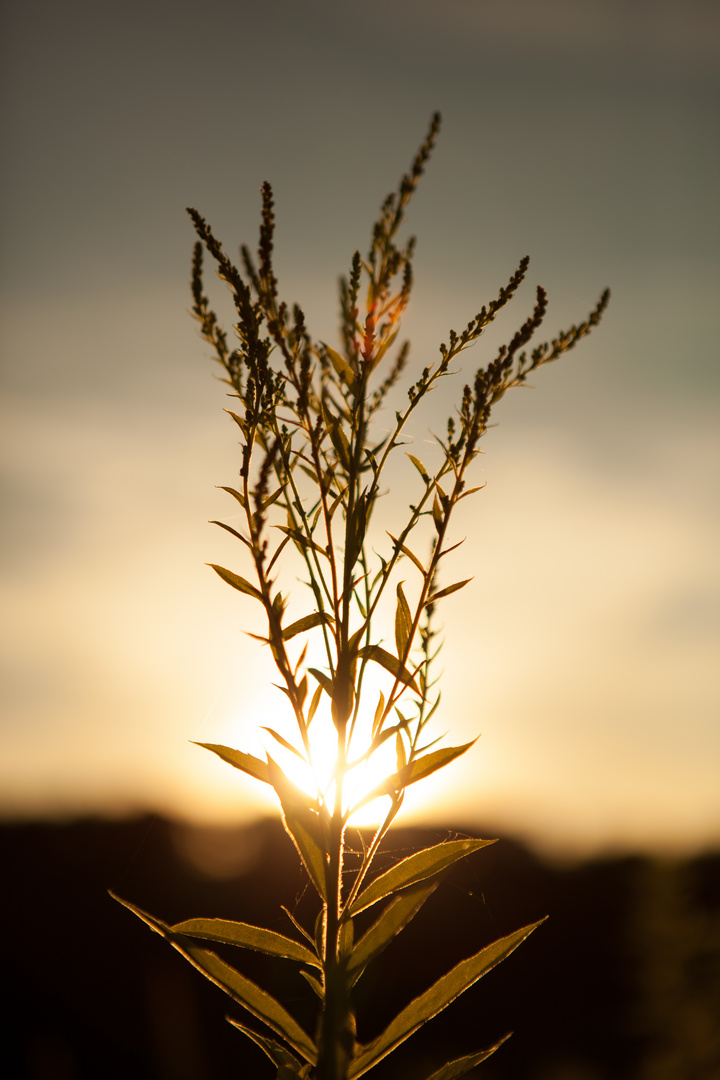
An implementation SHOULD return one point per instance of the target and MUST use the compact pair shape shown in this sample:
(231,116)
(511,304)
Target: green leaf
(416,770)
(233,532)
(434,1000)
(302,826)
(419,466)
(341,366)
(289,1068)
(462,1066)
(403,621)
(378,714)
(437,513)
(253,766)
(394,918)
(301,541)
(256,1000)
(406,551)
(283,741)
(273,498)
(324,680)
(390,663)
(236,581)
(247,937)
(447,591)
(314,984)
(421,866)
(430,763)
(242,424)
(314,704)
(306,623)
(340,442)
(235,494)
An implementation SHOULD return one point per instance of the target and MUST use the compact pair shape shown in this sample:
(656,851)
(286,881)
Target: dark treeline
(622,981)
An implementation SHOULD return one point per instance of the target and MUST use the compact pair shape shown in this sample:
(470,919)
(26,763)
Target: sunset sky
(584,133)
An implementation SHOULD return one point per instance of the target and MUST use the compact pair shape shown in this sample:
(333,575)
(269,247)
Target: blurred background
(585,651)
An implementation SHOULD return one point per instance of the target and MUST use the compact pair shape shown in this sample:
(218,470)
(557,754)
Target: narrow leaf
(324,680)
(434,1000)
(378,714)
(242,424)
(236,581)
(235,494)
(470,491)
(314,984)
(340,442)
(245,762)
(306,623)
(416,770)
(314,704)
(406,551)
(447,591)
(341,366)
(403,621)
(233,532)
(400,753)
(419,466)
(394,918)
(302,826)
(256,1000)
(248,937)
(390,663)
(437,513)
(462,1066)
(273,498)
(288,1065)
(421,866)
(283,741)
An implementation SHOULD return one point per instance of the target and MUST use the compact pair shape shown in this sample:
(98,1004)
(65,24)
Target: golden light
(316,778)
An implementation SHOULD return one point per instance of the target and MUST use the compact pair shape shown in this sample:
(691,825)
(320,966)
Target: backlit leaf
(233,532)
(245,762)
(289,1068)
(434,1000)
(306,623)
(341,366)
(236,581)
(378,714)
(421,866)
(403,621)
(462,1066)
(248,937)
(272,498)
(341,444)
(416,770)
(254,998)
(394,918)
(235,494)
(324,680)
(314,704)
(437,513)
(302,826)
(283,741)
(390,663)
(446,592)
(419,466)
(406,551)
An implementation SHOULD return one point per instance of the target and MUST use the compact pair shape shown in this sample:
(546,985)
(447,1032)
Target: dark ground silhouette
(621,983)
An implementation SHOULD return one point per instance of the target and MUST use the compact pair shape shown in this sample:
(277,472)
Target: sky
(581,132)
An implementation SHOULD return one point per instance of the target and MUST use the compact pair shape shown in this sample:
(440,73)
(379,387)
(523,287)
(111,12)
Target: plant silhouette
(313,467)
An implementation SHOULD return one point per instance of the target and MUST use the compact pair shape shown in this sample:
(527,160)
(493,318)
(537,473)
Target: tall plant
(313,467)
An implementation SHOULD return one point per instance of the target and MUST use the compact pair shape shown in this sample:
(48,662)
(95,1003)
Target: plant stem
(337,1035)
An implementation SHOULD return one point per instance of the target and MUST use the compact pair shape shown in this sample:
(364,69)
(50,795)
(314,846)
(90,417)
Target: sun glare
(317,778)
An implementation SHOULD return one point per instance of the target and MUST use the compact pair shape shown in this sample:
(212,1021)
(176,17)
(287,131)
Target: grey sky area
(581,132)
